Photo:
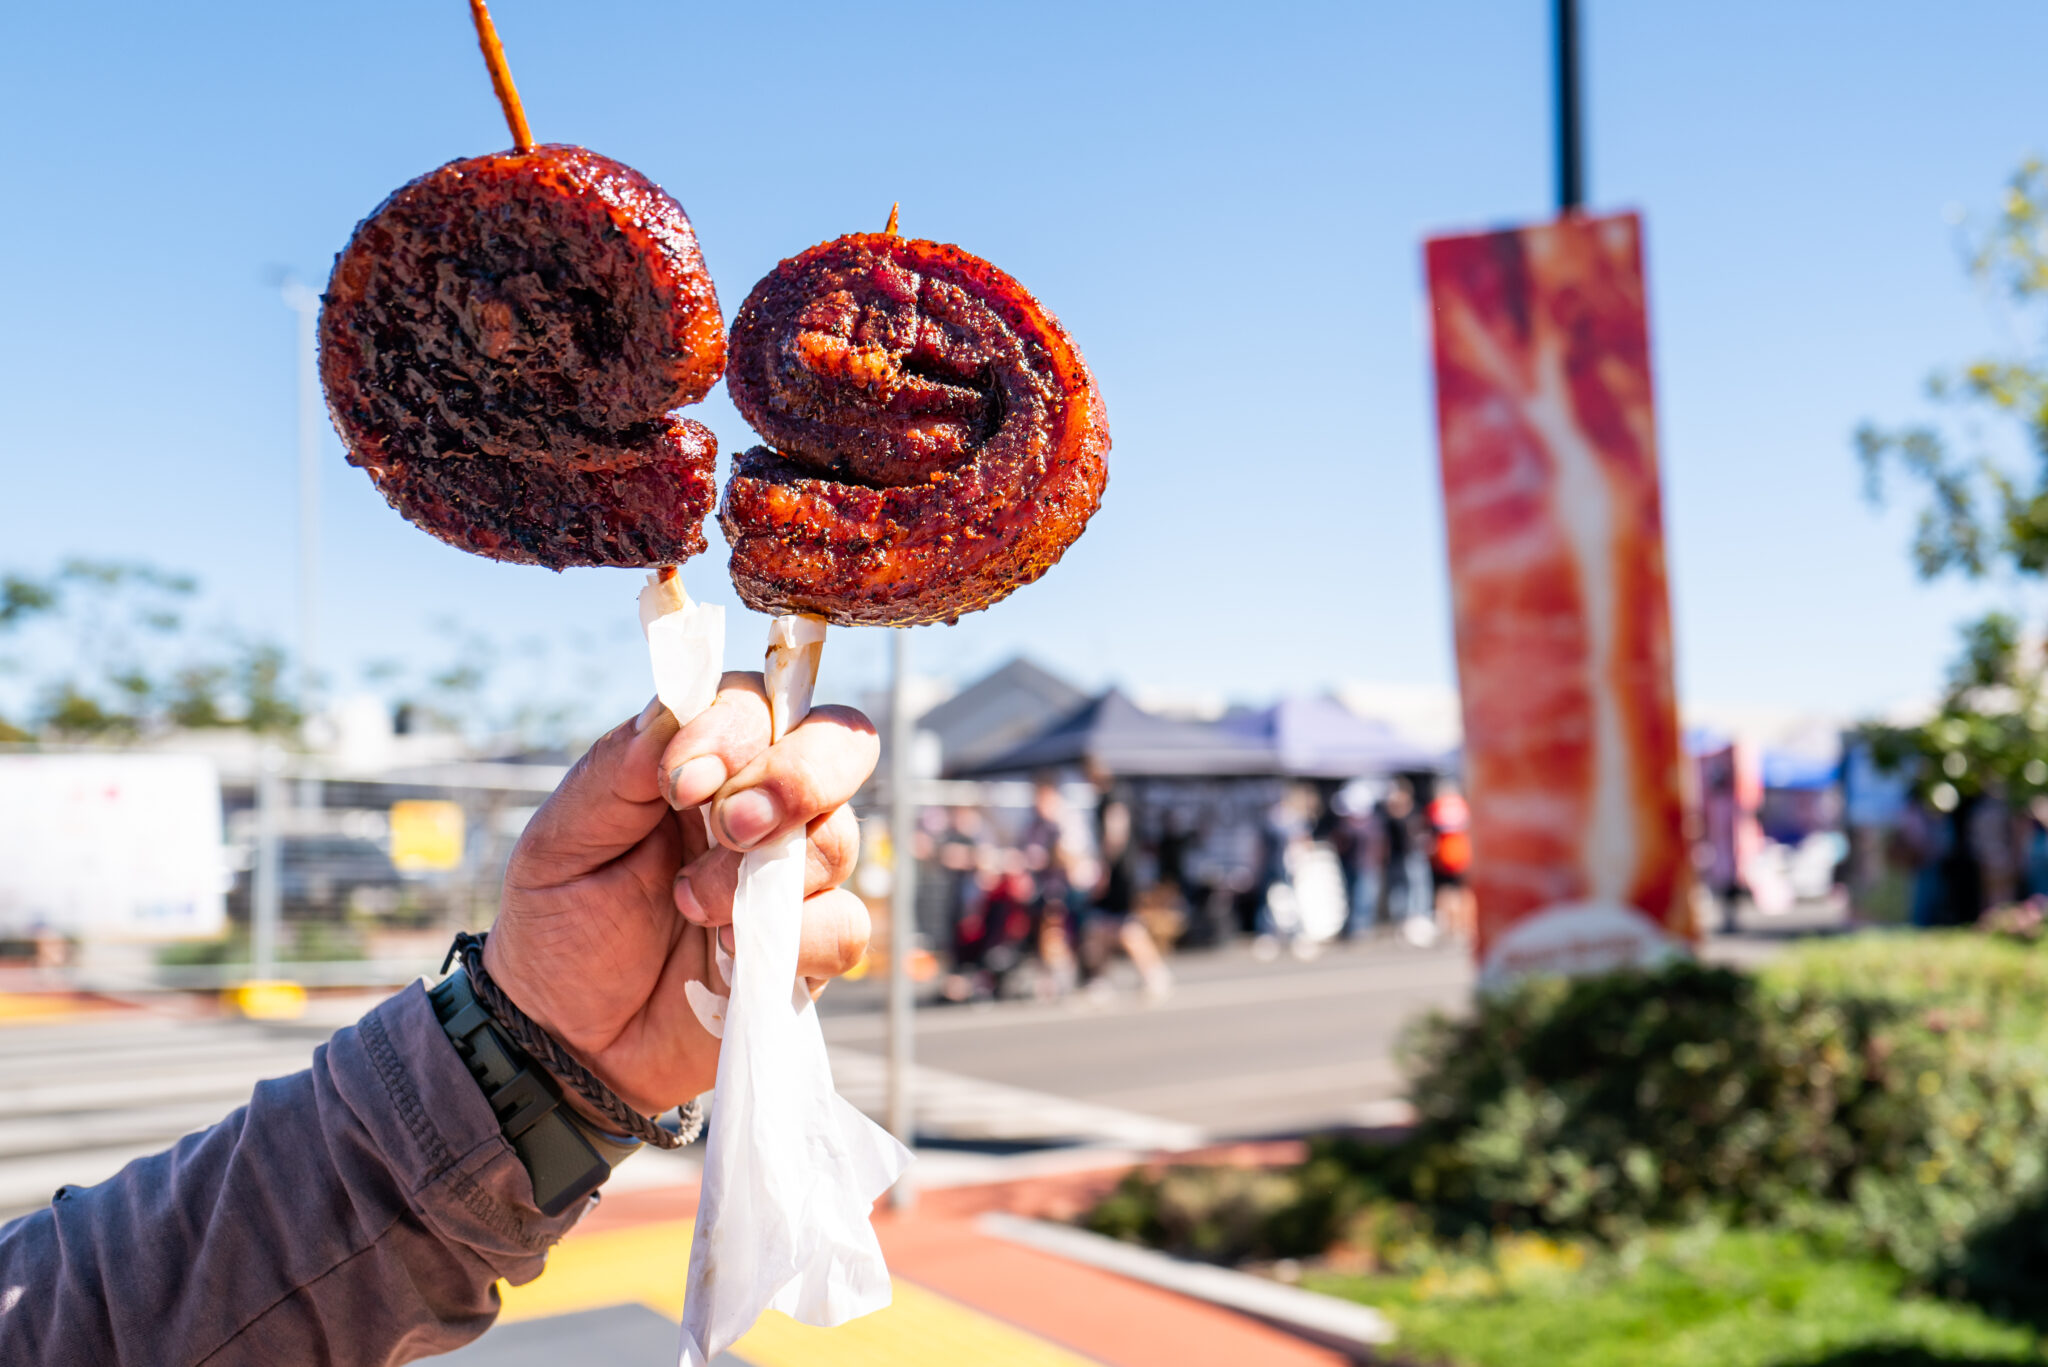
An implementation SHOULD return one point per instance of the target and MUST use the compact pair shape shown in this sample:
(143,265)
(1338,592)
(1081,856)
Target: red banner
(1555,526)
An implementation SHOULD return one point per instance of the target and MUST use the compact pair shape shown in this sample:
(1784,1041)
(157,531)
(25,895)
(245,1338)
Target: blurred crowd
(1045,901)
(1981,854)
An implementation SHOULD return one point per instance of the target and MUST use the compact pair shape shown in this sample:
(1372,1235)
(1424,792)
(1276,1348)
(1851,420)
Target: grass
(1696,1297)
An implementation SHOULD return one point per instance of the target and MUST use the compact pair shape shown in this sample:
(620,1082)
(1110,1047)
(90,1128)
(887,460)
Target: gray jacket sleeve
(354,1213)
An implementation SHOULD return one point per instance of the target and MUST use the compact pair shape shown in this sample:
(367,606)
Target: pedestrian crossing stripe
(647,1265)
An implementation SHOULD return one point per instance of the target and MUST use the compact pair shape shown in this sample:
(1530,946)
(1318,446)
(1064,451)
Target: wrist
(569,1076)
(565,1158)
(503,967)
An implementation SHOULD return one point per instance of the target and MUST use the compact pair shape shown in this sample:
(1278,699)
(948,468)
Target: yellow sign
(426,836)
(268,999)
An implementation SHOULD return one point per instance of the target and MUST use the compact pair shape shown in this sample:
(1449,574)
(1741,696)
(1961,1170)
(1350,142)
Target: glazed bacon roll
(501,344)
(936,439)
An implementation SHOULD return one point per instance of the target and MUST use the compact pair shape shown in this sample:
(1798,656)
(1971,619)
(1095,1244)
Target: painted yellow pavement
(645,1265)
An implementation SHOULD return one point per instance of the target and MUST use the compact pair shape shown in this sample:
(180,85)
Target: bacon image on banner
(1555,528)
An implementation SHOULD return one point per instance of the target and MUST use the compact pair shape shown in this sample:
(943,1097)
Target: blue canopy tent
(1790,770)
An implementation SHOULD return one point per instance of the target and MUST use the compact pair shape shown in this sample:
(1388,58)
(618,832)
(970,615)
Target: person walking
(1286,837)
(1050,858)
(1364,850)
(1395,838)
(1115,902)
(1409,900)
(1450,856)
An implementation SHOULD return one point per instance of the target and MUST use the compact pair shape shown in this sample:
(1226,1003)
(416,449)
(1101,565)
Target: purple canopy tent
(1319,737)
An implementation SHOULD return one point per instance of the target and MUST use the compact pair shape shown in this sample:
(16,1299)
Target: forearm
(355,1213)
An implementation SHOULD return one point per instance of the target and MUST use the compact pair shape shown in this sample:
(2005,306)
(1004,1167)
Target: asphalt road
(1242,1048)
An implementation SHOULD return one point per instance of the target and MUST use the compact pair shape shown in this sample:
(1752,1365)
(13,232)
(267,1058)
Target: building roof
(999,711)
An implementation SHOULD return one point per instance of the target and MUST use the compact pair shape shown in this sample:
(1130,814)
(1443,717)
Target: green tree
(266,704)
(107,650)
(1988,736)
(1985,509)
(1983,473)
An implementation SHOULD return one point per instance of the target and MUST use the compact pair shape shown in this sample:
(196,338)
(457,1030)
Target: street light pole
(266,892)
(902,908)
(306,303)
(1571,164)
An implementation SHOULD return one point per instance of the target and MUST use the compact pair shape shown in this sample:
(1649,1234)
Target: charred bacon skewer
(936,439)
(938,442)
(503,341)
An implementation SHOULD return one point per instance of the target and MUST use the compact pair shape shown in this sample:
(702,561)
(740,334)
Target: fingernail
(647,715)
(748,818)
(686,901)
(694,781)
(725,938)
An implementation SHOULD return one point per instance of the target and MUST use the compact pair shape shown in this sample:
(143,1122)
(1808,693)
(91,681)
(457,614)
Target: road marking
(1287,987)
(86,1099)
(28,1183)
(1359,1074)
(231,1085)
(168,1044)
(58,1132)
(27,1009)
(969,1108)
(127,1032)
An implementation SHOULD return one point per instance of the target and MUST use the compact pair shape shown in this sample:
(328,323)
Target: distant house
(997,712)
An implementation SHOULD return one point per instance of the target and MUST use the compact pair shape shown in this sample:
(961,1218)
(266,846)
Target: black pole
(1571,162)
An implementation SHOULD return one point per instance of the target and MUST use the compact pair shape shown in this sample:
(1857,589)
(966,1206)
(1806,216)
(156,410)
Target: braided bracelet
(544,1049)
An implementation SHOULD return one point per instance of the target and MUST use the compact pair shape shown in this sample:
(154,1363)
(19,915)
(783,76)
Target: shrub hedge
(1884,1090)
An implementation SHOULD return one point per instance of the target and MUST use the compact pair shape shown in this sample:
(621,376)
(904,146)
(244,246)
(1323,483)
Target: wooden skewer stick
(796,642)
(501,76)
(891,229)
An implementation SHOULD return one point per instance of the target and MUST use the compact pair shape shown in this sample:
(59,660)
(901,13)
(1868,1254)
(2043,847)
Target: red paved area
(1114,1321)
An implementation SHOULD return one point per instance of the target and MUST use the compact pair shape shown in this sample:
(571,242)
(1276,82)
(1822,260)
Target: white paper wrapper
(791,1169)
(686,645)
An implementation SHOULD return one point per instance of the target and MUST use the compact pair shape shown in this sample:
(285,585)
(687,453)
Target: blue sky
(1225,206)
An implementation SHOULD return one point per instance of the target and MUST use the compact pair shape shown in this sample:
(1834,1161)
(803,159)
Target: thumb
(605,805)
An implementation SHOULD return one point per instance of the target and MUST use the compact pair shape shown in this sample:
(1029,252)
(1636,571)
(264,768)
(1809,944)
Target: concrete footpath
(613,1293)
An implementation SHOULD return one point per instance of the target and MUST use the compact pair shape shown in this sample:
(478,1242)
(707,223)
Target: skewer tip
(893,209)
(501,75)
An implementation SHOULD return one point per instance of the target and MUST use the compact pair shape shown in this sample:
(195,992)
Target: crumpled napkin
(791,1169)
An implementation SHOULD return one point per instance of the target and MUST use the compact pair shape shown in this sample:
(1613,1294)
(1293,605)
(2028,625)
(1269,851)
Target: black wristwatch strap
(566,1158)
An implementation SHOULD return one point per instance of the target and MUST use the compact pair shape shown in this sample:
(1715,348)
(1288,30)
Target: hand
(614,891)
